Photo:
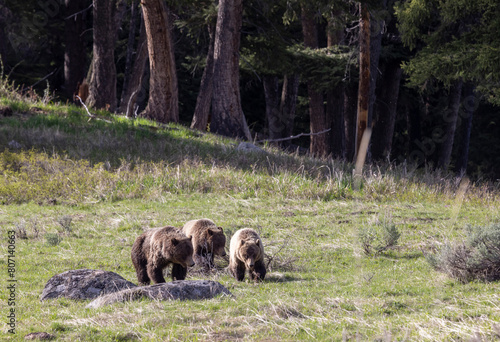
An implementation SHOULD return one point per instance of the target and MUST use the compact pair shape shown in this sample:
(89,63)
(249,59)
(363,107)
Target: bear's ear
(257,242)
(221,229)
(174,241)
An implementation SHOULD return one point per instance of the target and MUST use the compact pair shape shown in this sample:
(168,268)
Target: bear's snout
(250,263)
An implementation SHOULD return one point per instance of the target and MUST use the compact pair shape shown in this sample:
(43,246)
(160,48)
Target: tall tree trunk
(450,119)
(288,105)
(319,145)
(364,75)
(134,14)
(469,106)
(134,88)
(102,86)
(335,96)
(385,112)
(163,102)
(74,48)
(350,113)
(204,100)
(227,115)
(376,24)
(274,124)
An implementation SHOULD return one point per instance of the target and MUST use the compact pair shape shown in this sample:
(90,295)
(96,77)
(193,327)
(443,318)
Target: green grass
(115,179)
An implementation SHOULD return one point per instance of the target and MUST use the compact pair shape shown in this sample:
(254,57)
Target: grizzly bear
(246,252)
(208,240)
(157,248)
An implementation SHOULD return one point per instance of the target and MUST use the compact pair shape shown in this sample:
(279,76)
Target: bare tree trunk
(469,106)
(335,96)
(319,145)
(377,25)
(102,85)
(204,100)
(288,105)
(385,112)
(364,74)
(275,126)
(134,14)
(74,49)
(350,113)
(450,119)
(227,115)
(163,102)
(134,88)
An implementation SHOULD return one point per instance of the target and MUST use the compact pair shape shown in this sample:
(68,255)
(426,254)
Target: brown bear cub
(208,240)
(246,252)
(157,248)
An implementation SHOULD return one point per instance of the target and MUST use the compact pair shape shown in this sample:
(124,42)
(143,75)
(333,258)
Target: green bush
(478,257)
(376,240)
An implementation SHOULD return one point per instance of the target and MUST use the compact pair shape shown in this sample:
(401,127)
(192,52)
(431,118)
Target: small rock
(179,289)
(84,284)
(249,147)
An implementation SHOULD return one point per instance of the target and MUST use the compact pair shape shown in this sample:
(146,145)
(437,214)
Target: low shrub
(478,257)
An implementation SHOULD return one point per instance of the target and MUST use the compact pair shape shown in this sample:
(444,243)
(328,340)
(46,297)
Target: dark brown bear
(208,240)
(157,248)
(246,252)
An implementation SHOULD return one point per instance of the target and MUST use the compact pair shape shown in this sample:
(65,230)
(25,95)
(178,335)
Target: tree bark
(350,113)
(470,105)
(385,112)
(204,99)
(288,104)
(364,75)
(376,29)
(163,101)
(74,49)
(319,145)
(102,85)
(450,120)
(274,124)
(134,88)
(134,14)
(227,115)
(335,96)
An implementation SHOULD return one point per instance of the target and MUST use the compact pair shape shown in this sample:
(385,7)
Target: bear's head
(250,251)
(180,251)
(216,241)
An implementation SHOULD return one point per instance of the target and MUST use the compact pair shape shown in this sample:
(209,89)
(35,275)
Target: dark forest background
(434,70)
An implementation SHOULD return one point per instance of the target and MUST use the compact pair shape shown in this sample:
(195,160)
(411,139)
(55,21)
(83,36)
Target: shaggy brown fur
(208,240)
(246,252)
(157,248)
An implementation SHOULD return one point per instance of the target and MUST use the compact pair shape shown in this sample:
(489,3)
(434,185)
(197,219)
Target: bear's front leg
(238,271)
(155,273)
(178,272)
(259,271)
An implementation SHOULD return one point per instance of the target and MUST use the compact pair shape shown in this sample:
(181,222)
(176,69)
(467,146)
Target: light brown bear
(157,248)
(246,252)
(208,240)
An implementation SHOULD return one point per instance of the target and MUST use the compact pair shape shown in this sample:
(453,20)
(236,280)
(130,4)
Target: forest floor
(79,190)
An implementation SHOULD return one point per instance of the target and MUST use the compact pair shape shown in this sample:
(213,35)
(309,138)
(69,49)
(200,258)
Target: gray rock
(84,284)
(249,147)
(179,289)
(39,336)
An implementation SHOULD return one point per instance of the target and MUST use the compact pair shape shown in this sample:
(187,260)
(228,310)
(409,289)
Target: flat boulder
(84,284)
(179,289)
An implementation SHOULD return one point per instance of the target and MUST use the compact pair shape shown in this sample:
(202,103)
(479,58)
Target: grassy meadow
(78,191)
